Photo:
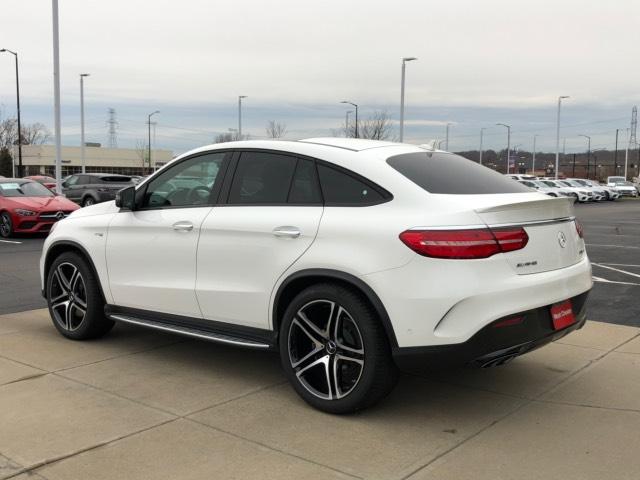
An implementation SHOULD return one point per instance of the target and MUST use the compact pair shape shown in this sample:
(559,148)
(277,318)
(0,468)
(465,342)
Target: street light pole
(149,125)
(346,123)
(56,95)
(82,75)
(446,141)
(588,151)
(240,97)
(626,156)
(558,135)
(508,141)
(404,61)
(481,135)
(356,107)
(533,161)
(15,54)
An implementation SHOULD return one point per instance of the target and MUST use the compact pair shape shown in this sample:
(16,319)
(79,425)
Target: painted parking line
(10,241)
(619,264)
(616,269)
(604,280)
(616,246)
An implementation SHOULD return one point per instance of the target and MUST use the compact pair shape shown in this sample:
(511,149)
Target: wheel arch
(58,248)
(298,281)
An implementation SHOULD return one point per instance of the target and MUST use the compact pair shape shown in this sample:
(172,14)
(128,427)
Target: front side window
(262,178)
(72,180)
(187,184)
(341,188)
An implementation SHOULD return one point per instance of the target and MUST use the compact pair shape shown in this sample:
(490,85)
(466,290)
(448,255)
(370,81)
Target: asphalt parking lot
(140,404)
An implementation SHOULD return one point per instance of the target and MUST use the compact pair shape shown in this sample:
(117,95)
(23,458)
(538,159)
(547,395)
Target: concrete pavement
(139,404)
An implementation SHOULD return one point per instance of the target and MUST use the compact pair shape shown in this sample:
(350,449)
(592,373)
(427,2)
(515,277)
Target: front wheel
(334,350)
(6,225)
(75,303)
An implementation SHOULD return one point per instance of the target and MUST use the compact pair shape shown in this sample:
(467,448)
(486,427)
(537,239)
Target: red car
(48,182)
(30,207)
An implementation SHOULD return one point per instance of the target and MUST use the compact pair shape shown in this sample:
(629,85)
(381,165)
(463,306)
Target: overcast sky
(480,62)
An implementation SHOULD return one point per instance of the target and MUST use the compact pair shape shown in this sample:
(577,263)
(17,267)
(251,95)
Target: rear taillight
(465,244)
(579,229)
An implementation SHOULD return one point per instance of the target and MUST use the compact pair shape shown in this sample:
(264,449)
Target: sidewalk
(145,405)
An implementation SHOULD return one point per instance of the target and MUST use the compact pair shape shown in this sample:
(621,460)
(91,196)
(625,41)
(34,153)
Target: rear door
(269,218)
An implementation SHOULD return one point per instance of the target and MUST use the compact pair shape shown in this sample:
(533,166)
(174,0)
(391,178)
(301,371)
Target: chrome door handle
(286,231)
(183,226)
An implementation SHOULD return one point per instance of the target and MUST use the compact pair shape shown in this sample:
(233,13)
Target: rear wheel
(334,350)
(6,225)
(75,303)
(88,201)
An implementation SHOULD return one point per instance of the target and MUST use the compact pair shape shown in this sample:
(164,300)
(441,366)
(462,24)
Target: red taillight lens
(464,244)
(579,229)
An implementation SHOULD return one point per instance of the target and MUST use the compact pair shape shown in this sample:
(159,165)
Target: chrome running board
(188,331)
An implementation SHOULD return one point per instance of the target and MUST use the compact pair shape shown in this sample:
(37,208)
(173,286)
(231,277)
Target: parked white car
(599,193)
(625,188)
(610,192)
(551,190)
(579,189)
(350,257)
(514,176)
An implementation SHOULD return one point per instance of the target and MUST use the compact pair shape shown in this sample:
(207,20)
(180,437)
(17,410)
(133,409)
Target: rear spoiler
(550,209)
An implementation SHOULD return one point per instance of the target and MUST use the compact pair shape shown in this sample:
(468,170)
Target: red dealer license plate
(562,315)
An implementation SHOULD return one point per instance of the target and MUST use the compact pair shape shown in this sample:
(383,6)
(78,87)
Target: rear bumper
(494,345)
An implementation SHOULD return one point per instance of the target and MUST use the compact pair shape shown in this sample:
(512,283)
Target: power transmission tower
(113,124)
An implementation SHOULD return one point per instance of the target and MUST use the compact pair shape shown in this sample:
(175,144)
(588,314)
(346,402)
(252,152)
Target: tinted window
(305,188)
(187,184)
(453,174)
(340,188)
(85,180)
(114,179)
(262,178)
(72,180)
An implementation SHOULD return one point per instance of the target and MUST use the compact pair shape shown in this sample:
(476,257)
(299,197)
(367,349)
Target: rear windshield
(448,173)
(115,179)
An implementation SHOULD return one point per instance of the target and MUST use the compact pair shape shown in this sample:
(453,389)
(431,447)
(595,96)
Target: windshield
(582,182)
(616,180)
(549,183)
(24,189)
(448,173)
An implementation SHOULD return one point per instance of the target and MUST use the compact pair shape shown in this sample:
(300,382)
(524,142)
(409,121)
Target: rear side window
(341,188)
(262,178)
(115,179)
(305,188)
(448,173)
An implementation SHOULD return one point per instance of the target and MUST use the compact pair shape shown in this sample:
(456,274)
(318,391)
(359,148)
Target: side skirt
(214,331)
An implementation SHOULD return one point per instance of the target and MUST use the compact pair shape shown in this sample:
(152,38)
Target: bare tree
(231,136)
(275,129)
(8,132)
(142,152)
(35,134)
(376,127)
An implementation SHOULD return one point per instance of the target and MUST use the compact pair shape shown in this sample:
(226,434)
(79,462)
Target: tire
(74,299)
(6,225)
(88,201)
(334,350)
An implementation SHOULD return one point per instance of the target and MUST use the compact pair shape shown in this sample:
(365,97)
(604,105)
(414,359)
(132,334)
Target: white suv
(350,257)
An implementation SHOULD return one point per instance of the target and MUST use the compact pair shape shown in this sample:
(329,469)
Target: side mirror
(126,198)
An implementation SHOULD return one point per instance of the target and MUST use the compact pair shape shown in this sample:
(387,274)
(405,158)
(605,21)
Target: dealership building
(41,160)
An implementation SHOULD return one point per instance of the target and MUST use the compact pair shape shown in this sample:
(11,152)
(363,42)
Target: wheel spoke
(57,298)
(57,305)
(65,284)
(308,358)
(68,317)
(338,358)
(80,302)
(80,308)
(310,327)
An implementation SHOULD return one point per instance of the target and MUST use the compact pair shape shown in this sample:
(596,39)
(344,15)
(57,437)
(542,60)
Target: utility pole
(56,95)
(404,61)
(240,97)
(446,142)
(508,141)
(149,125)
(588,151)
(615,154)
(20,170)
(82,157)
(481,135)
(558,135)
(533,161)
(626,158)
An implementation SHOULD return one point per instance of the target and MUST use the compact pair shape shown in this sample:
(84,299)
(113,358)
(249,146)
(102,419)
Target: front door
(151,252)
